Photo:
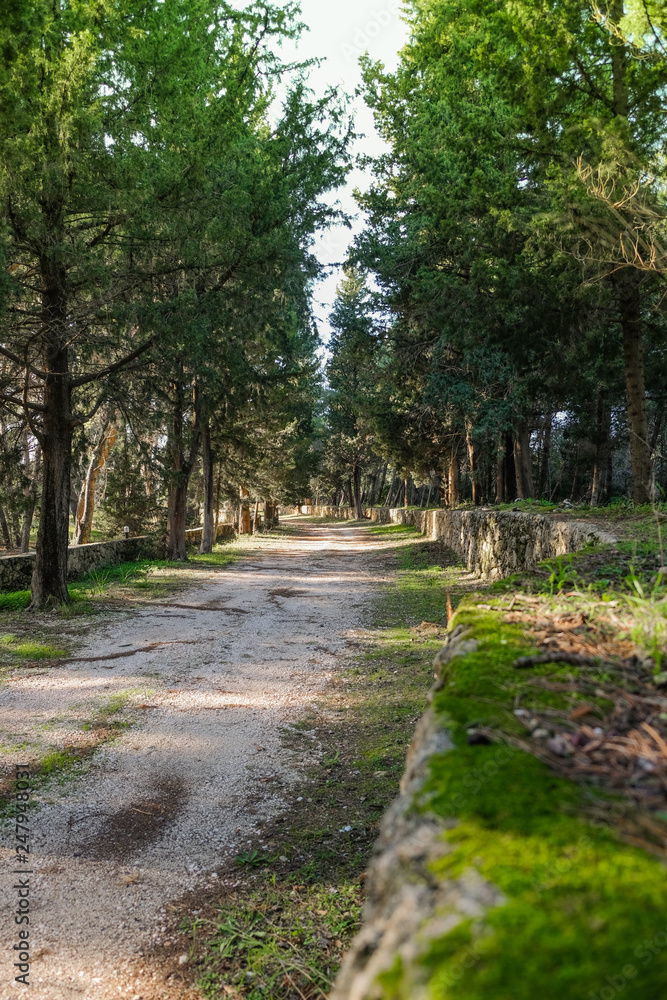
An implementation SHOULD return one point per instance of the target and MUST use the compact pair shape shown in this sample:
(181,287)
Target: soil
(205,684)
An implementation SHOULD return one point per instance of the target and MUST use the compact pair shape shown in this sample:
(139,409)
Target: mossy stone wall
(490,542)
(16,571)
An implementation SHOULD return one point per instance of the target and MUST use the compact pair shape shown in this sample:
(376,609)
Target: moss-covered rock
(489,882)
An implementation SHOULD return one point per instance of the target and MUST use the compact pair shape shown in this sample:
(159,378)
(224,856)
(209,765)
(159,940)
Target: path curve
(214,674)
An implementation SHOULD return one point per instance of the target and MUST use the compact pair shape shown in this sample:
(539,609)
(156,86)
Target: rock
(406,907)
(560,746)
(540,734)
(477,739)
(183,960)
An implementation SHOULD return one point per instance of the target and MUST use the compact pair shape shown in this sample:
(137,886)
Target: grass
(16,600)
(393,529)
(29,650)
(145,579)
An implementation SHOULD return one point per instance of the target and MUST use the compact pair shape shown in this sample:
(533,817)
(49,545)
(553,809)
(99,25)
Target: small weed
(561,574)
(115,704)
(97,581)
(252,858)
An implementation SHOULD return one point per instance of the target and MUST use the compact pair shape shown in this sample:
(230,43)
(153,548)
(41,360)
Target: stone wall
(493,543)
(412,903)
(16,571)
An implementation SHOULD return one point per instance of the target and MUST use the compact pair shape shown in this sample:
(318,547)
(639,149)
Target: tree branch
(22,363)
(110,369)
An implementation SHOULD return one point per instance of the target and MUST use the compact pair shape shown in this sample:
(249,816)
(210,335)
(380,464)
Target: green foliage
(487,211)
(16,600)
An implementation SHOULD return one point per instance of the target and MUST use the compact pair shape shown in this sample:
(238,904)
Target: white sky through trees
(340,32)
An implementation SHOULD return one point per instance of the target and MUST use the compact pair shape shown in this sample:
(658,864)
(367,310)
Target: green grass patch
(393,529)
(15,600)
(29,650)
(275,943)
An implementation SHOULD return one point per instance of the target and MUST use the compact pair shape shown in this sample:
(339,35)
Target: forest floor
(209,744)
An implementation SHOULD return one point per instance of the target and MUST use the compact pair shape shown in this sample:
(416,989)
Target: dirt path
(210,677)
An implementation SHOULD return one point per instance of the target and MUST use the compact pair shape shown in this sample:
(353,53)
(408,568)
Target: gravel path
(211,677)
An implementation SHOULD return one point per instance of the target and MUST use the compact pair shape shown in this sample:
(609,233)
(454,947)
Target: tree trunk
(358,509)
(4,527)
(545,456)
(511,485)
(209,523)
(472,460)
(628,296)
(501,471)
(454,477)
(350,493)
(218,488)
(270,519)
(176,517)
(86,506)
(244,513)
(383,480)
(627,286)
(523,463)
(181,470)
(390,494)
(602,448)
(31,495)
(49,578)
(255,518)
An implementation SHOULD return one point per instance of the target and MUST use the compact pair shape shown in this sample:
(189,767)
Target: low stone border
(16,571)
(493,543)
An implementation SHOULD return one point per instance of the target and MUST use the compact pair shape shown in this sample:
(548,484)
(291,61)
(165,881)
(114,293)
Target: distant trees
(526,152)
(352,377)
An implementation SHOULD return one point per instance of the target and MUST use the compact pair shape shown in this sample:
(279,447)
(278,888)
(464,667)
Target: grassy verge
(39,636)
(142,579)
(557,783)
(280,930)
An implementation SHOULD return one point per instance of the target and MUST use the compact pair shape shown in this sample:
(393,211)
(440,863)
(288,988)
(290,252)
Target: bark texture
(86,505)
(209,525)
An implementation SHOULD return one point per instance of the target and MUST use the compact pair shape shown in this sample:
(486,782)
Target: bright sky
(340,32)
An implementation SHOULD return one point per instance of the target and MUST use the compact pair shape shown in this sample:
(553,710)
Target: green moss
(584,916)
